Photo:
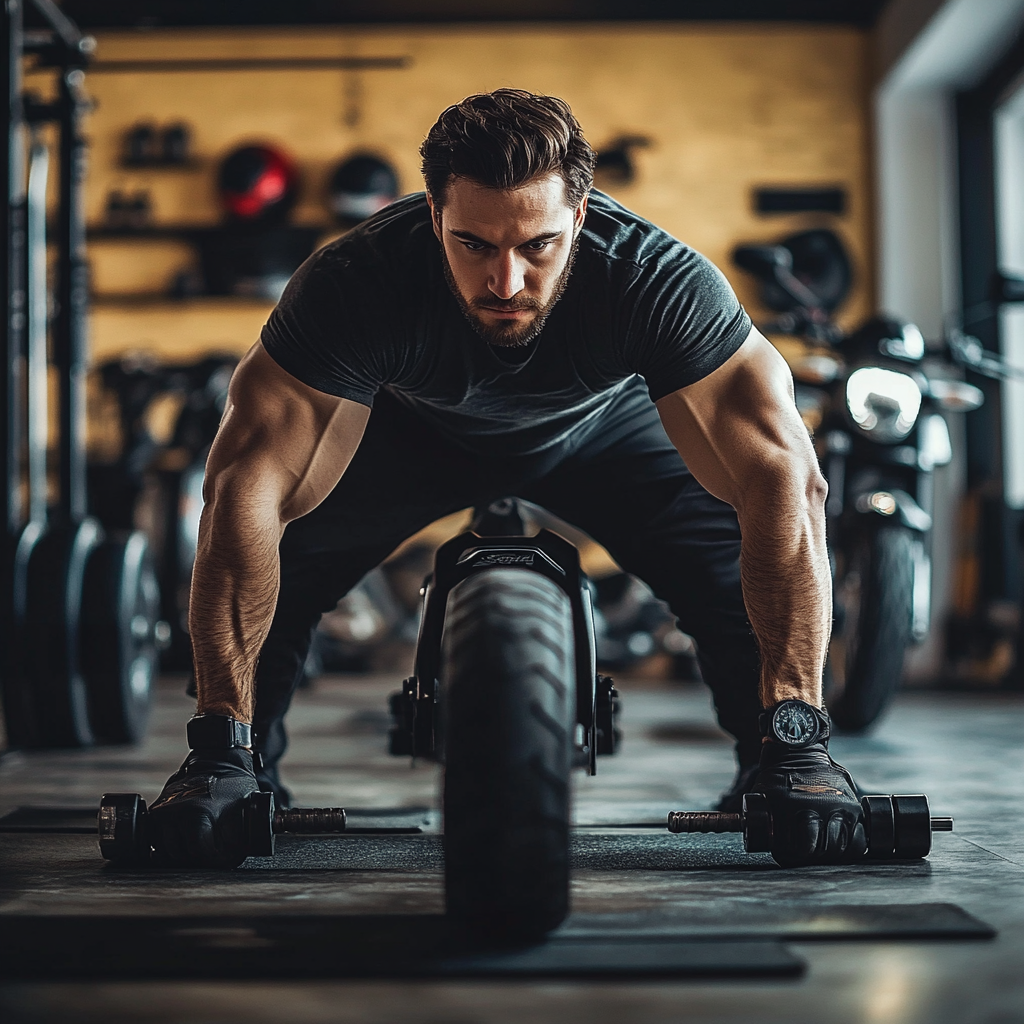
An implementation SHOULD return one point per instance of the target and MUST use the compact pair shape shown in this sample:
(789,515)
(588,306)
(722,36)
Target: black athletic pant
(620,480)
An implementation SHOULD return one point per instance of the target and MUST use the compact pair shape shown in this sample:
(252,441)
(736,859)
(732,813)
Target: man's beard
(509,334)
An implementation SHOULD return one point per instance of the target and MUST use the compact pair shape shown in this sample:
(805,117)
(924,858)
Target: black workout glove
(816,816)
(198,821)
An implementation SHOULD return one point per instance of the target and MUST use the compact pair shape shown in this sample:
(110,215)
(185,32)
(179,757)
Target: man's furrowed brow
(468,236)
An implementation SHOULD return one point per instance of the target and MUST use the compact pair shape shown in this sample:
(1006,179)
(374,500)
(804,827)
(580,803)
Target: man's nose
(506,279)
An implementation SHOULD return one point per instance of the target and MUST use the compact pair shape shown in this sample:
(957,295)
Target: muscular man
(512,331)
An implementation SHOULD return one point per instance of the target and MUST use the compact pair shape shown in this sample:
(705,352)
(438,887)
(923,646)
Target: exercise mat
(791,921)
(423,946)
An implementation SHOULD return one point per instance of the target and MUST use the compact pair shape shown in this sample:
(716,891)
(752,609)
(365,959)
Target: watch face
(794,723)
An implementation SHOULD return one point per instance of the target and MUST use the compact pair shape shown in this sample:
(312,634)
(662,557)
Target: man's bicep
(282,437)
(739,423)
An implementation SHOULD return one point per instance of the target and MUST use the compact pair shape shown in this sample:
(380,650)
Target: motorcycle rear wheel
(865,662)
(508,709)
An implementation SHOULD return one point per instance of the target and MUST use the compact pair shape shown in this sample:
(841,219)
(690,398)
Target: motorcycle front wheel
(508,710)
(874,592)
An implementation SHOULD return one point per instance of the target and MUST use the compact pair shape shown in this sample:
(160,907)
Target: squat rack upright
(79,608)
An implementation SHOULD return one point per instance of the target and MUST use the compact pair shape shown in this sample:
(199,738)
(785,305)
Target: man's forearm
(234,593)
(787,585)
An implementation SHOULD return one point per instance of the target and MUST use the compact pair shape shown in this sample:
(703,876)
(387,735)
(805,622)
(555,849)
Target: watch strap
(217,732)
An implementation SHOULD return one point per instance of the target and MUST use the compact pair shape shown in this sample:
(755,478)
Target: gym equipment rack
(79,609)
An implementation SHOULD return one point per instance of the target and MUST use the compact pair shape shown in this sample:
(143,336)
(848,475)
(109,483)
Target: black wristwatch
(217,732)
(795,724)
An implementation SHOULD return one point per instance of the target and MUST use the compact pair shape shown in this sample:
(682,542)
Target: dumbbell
(897,827)
(124,832)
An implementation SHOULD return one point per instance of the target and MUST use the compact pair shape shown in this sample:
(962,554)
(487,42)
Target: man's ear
(435,217)
(580,215)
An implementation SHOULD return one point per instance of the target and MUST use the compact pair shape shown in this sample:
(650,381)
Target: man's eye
(536,246)
(475,246)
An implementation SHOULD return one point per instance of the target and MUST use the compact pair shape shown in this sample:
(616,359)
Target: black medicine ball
(360,186)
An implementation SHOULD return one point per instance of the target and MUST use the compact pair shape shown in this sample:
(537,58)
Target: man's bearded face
(508,255)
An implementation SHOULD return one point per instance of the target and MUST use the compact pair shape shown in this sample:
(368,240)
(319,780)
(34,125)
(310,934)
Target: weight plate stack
(119,642)
(53,604)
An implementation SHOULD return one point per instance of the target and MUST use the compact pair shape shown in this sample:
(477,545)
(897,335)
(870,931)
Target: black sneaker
(731,801)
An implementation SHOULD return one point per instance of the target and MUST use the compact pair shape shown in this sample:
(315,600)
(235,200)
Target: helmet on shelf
(360,186)
(257,183)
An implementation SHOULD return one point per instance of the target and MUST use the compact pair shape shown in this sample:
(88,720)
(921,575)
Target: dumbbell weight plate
(19,710)
(121,824)
(55,576)
(913,827)
(757,823)
(880,820)
(259,823)
(120,613)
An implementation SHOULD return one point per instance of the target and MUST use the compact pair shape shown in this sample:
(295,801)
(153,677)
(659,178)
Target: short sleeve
(322,333)
(685,320)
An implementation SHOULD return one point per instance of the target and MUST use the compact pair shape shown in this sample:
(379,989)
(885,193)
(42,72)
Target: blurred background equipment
(176,143)
(360,186)
(258,184)
(875,412)
(81,611)
(155,480)
(255,252)
(145,144)
(615,165)
(253,261)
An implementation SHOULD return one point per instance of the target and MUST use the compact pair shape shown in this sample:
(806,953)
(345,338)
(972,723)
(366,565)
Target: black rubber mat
(612,851)
(788,920)
(65,947)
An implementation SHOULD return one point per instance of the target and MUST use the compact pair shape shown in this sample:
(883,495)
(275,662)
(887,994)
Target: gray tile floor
(965,751)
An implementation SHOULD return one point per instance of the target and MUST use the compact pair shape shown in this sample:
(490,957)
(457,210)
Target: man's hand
(816,816)
(197,821)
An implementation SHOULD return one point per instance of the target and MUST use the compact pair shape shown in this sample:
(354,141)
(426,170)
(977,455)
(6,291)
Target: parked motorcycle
(875,410)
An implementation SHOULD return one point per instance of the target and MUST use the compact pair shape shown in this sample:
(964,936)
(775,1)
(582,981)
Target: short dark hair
(505,138)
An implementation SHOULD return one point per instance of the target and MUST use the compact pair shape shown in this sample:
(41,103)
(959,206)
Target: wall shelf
(158,232)
(161,300)
(190,165)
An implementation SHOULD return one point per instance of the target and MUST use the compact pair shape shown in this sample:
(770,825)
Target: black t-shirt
(374,310)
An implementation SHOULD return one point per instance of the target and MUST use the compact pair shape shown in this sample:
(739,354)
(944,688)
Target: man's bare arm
(281,448)
(739,432)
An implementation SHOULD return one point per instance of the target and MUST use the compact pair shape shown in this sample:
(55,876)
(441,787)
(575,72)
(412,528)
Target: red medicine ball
(257,183)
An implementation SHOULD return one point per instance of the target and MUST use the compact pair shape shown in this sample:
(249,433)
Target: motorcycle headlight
(883,403)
